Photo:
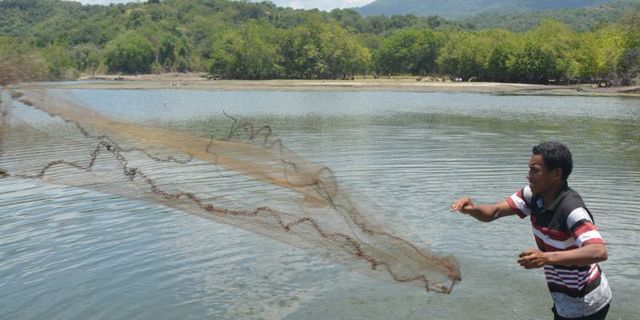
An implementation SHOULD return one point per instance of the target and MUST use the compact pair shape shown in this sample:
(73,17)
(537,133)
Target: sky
(298,4)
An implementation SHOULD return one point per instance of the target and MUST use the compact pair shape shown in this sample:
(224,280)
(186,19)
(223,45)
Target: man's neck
(552,194)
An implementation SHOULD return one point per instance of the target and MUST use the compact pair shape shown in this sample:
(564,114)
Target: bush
(129,53)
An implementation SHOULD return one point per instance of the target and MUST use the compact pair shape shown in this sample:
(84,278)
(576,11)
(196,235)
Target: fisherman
(569,245)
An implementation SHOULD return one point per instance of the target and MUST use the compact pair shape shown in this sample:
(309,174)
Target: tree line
(52,39)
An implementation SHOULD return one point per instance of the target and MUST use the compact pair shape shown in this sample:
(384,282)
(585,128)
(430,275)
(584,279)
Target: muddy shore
(200,82)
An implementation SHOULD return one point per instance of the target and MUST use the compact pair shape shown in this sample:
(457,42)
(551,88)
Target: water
(70,253)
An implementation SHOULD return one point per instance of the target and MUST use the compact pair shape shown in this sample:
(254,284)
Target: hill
(457,9)
(579,19)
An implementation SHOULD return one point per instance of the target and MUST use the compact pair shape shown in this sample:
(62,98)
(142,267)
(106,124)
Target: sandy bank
(200,82)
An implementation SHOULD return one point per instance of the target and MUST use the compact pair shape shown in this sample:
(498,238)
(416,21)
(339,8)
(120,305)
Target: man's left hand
(532,258)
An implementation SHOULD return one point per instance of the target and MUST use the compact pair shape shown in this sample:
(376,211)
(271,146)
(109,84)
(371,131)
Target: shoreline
(198,81)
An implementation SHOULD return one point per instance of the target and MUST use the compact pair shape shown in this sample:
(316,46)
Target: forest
(469,8)
(55,40)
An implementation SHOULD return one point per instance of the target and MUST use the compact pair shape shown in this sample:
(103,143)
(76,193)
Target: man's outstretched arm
(483,212)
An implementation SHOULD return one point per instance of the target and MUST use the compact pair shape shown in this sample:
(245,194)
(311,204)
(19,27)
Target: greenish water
(71,253)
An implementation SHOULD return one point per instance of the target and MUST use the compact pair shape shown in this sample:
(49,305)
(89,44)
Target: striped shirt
(565,225)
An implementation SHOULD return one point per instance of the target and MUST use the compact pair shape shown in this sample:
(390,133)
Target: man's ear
(557,173)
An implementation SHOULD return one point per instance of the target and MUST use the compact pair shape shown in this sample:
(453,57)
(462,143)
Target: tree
(248,53)
(322,50)
(599,54)
(85,57)
(409,51)
(59,63)
(167,50)
(130,53)
(547,53)
(350,19)
(137,18)
(19,62)
(630,60)
(467,54)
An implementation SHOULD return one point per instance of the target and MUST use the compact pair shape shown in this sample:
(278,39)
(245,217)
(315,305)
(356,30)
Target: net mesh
(248,179)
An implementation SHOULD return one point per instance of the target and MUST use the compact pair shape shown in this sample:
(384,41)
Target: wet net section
(247,178)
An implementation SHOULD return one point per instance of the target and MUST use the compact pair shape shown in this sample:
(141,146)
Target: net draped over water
(246,178)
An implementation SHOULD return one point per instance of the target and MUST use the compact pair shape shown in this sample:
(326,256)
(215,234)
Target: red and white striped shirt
(566,224)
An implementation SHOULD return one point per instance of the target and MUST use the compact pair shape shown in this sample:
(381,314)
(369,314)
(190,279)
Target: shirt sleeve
(520,202)
(582,228)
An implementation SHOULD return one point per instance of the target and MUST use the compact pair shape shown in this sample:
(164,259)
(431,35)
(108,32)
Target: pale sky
(298,4)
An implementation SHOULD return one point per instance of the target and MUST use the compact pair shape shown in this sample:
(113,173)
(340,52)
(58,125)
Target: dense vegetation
(52,39)
(466,8)
(579,19)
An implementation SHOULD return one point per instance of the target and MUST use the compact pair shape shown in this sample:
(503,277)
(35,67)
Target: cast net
(246,178)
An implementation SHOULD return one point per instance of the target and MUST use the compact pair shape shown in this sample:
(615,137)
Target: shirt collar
(564,190)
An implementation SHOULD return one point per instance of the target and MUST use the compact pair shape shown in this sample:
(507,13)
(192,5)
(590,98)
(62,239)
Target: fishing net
(246,178)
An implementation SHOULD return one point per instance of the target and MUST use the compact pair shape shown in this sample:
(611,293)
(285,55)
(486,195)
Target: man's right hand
(482,212)
(464,205)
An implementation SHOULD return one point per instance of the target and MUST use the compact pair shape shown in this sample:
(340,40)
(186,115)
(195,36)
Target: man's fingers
(460,204)
(531,259)
(527,252)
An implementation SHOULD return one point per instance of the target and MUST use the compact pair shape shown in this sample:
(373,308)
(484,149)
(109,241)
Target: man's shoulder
(572,208)
(571,201)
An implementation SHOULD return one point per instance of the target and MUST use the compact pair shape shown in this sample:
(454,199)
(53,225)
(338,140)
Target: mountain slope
(456,9)
(580,19)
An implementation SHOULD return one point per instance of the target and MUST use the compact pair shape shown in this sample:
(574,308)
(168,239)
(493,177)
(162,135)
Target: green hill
(579,19)
(456,9)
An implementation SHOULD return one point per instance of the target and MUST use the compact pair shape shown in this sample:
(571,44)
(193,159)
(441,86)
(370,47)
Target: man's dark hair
(555,155)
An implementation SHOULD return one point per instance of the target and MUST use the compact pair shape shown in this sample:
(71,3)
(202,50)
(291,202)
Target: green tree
(350,19)
(201,32)
(167,50)
(137,18)
(86,57)
(409,51)
(20,62)
(630,60)
(547,53)
(600,54)
(322,50)
(59,62)
(130,53)
(501,56)
(467,54)
(248,53)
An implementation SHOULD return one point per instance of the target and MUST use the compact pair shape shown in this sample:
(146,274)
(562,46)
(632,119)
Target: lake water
(72,253)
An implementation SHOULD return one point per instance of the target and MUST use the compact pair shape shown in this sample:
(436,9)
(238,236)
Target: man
(569,246)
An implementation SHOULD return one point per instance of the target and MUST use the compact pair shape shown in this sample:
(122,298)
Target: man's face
(540,178)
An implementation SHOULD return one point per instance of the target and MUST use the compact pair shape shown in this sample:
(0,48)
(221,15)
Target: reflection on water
(68,253)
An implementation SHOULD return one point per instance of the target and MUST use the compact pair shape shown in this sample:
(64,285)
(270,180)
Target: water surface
(71,253)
